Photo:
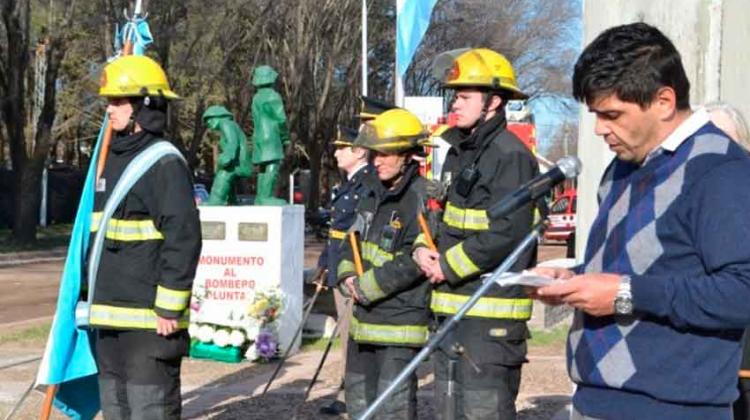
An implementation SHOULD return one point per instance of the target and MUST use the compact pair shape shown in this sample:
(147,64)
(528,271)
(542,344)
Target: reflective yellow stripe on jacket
(345,267)
(486,307)
(420,241)
(465,219)
(374,254)
(336,234)
(127,230)
(370,287)
(170,299)
(388,334)
(457,259)
(129,318)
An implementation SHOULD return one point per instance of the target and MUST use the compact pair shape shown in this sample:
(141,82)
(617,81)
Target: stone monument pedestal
(249,251)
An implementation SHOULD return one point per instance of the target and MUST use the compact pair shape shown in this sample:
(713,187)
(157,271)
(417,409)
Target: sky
(547,112)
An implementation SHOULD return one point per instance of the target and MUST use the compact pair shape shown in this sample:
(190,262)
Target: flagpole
(399,84)
(127,49)
(364,47)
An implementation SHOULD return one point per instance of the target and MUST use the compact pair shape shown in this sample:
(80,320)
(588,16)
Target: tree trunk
(198,130)
(315,164)
(26,201)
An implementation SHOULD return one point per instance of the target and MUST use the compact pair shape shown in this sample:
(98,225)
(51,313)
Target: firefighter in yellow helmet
(152,243)
(486,162)
(390,318)
(353,161)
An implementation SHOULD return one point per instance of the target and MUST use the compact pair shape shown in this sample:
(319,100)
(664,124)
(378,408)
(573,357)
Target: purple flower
(266,345)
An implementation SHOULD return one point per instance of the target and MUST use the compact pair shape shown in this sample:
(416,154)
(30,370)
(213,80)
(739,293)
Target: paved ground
(29,291)
(231,391)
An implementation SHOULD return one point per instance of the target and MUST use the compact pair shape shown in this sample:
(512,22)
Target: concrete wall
(711,36)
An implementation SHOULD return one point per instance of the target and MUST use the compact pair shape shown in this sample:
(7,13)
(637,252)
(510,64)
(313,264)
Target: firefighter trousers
(490,393)
(139,374)
(370,369)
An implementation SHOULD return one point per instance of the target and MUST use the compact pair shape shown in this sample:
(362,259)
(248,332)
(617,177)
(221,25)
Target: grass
(37,332)
(52,236)
(312,344)
(546,338)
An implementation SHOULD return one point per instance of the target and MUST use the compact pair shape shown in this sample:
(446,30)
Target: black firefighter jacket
(470,243)
(395,308)
(152,245)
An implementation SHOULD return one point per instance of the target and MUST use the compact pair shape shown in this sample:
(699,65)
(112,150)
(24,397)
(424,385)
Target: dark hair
(632,61)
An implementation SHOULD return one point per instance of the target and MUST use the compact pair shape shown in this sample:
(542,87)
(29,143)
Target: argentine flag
(412,20)
(68,359)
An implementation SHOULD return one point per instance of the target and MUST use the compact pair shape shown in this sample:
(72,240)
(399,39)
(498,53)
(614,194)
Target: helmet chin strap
(485,109)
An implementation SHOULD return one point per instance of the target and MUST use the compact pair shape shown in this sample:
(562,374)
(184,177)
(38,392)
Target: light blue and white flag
(412,20)
(68,359)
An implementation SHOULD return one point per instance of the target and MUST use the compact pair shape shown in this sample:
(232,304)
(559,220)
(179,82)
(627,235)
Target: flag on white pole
(412,20)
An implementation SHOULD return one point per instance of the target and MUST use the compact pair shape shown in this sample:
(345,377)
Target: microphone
(567,167)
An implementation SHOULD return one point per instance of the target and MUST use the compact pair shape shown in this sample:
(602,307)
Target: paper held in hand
(524,278)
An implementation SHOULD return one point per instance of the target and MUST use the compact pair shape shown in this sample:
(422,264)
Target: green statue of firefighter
(234,160)
(270,134)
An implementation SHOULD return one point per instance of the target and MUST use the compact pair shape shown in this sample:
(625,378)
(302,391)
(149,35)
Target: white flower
(236,338)
(252,330)
(205,333)
(221,338)
(251,353)
(193,330)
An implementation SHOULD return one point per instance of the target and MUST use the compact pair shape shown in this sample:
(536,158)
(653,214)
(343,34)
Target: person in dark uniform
(353,162)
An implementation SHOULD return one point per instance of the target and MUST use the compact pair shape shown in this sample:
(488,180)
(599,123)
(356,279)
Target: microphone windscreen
(570,166)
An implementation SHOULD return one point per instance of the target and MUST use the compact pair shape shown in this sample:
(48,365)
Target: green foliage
(36,333)
(210,48)
(52,236)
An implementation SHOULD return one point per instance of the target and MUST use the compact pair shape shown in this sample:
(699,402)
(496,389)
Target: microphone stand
(447,326)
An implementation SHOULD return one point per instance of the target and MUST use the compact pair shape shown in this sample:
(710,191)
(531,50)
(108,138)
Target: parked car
(562,218)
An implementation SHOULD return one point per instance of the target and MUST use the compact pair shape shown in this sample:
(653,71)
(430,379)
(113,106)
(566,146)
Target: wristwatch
(624,298)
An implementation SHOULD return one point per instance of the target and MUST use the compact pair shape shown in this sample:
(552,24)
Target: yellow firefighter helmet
(394,131)
(134,75)
(482,67)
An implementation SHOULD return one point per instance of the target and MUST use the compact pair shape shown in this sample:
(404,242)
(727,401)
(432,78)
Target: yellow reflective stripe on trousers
(170,299)
(466,219)
(388,334)
(345,267)
(370,287)
(373,254)
(138,318)
(457,259)
(486,307)
(336,234)
(127,230)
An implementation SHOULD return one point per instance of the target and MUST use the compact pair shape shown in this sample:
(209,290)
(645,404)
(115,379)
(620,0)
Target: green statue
(270,134)
(234,160)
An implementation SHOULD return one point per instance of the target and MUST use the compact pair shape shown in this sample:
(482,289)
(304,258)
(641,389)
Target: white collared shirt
(354,172)
(693,123)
